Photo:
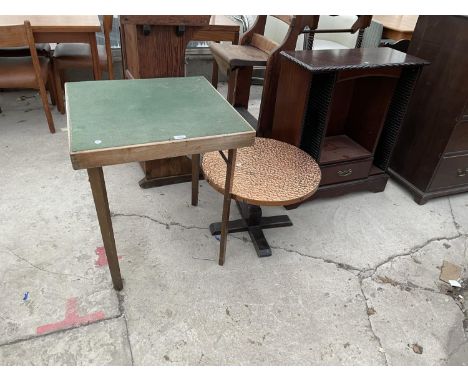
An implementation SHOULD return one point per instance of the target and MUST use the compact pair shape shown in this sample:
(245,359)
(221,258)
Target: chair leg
(51,87)
(45,104)
(62,79)
(239,82)
(214,75)
(232,76)
(58,88)
(243,82)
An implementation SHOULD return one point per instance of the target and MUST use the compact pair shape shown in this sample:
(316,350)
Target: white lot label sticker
(180,136)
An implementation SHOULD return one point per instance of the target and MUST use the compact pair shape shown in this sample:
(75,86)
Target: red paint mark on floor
(102,258)
(72,318)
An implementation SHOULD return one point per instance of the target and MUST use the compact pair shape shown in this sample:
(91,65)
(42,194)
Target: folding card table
(115,122)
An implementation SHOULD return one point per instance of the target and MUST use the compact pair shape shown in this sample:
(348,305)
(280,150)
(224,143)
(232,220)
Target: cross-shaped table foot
(253,222)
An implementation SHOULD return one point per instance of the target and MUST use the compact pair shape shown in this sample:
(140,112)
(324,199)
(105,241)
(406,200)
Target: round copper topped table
(269,173)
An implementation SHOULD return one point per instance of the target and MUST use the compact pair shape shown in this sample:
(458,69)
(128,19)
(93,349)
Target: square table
(114,122)
(57,29)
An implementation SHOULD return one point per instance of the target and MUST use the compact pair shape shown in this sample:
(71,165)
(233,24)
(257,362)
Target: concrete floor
(355,281)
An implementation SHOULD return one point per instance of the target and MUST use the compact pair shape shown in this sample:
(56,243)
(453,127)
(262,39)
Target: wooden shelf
(339,148)
(345,107)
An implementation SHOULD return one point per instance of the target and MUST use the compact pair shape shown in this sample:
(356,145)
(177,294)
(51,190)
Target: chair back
(359,25)
(255,36)
(297,25)
(13,36)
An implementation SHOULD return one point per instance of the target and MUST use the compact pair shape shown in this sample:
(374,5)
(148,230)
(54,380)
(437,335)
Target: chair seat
(18,72)
(238,55)
(269,173)
(42,50)
(78,55)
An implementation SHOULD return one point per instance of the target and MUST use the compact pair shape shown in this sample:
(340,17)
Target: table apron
(58,37)
(121,155)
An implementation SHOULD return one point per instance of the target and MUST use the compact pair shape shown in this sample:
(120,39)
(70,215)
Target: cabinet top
(349,59)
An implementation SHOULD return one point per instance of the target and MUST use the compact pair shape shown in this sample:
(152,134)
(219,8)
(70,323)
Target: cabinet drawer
(344,172)
(451,172)
(459,138)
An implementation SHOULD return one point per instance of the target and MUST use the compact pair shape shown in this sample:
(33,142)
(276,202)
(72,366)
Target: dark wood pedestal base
(253,222)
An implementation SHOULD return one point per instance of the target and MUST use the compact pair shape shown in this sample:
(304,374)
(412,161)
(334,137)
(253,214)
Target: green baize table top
(121,113)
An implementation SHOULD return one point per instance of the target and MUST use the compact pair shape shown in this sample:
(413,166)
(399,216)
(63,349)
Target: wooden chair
(27,72)
(257,50)
(78,55)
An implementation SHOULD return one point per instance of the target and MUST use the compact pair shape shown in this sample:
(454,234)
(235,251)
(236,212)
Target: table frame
(94,160)
(101,202)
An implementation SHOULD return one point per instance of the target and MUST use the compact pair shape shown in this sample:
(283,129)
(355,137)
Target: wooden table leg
(95,56)
(98,188)
(231,164)
(195,177)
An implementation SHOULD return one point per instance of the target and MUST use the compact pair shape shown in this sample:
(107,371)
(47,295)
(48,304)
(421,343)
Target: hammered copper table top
(269,173)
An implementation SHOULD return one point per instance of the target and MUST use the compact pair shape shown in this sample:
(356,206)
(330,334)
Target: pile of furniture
(331,121)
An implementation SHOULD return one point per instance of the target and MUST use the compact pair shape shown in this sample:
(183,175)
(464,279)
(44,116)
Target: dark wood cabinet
(345,108)
(431,155)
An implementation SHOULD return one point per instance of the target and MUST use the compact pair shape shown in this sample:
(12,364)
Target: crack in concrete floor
(455,223)
(121,300)
(362,274)
(32,337)
(77,277)
(166,224)
(377,338)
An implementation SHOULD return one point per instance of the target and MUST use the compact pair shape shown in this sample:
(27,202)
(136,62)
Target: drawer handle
(461,172)
(345,172)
